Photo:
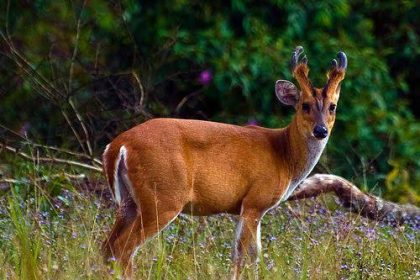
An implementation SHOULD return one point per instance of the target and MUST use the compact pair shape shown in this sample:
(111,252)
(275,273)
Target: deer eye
(306,107)
(332,108)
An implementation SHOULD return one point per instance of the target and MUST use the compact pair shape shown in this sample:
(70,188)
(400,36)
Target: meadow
(75,74)
(53,230)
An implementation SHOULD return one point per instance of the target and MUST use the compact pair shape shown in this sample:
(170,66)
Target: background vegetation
(218,61)
(73,74)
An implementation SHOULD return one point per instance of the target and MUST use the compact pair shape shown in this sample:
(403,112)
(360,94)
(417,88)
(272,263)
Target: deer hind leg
(126,215)
(248,241)
(129,234)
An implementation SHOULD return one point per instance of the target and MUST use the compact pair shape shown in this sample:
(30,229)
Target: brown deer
(165,167)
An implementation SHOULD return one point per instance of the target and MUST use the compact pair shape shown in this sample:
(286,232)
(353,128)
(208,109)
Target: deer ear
(287,92)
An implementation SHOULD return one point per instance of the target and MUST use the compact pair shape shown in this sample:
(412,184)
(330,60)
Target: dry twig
(50,159)
(6,182)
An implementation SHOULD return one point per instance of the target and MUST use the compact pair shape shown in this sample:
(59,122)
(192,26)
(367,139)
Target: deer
(165,166)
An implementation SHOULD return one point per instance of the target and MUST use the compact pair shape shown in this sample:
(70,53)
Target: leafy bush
(219,62)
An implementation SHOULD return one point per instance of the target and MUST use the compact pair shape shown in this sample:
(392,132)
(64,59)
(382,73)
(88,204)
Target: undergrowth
(45,236)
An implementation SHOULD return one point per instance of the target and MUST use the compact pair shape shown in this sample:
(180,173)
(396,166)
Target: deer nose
(320,131)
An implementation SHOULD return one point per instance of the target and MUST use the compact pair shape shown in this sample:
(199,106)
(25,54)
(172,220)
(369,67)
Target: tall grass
(58,237)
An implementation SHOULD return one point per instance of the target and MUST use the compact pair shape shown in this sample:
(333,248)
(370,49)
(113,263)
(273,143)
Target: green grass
(58,237)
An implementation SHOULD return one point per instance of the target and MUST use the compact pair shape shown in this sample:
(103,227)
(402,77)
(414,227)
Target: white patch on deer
(117,187)
(315,149)
(104,156)
(238,237)
(258,240)
(107,148)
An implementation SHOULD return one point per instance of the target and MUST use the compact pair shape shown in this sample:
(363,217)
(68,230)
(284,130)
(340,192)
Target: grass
(50,234)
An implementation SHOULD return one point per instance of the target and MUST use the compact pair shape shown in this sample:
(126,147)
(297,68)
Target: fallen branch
(72,153)
(6,182)
(356,201)
(50,159)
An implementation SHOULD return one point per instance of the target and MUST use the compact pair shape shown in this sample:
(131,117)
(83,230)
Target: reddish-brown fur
(202,168)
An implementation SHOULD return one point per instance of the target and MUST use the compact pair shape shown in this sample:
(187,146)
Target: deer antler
(337,73)
(300,69)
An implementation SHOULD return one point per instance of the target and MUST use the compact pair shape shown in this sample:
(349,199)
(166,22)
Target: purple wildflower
(410,236)
(252,122)
(205,77)
(370,233)
(24,129)
(112,259)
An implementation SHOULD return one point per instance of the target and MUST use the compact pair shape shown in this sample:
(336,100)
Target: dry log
(357,201)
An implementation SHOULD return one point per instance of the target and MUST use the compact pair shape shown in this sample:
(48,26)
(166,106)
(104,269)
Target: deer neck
(304,153)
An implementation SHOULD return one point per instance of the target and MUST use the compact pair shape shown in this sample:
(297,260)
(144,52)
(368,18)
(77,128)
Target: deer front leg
(248,241)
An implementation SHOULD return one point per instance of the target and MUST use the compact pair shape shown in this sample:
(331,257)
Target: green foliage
(246,46)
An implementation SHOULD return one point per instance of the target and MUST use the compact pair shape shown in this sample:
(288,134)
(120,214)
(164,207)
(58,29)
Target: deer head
(315,107)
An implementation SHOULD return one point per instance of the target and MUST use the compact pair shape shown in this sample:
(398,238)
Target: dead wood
(48,159)
(352,198)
